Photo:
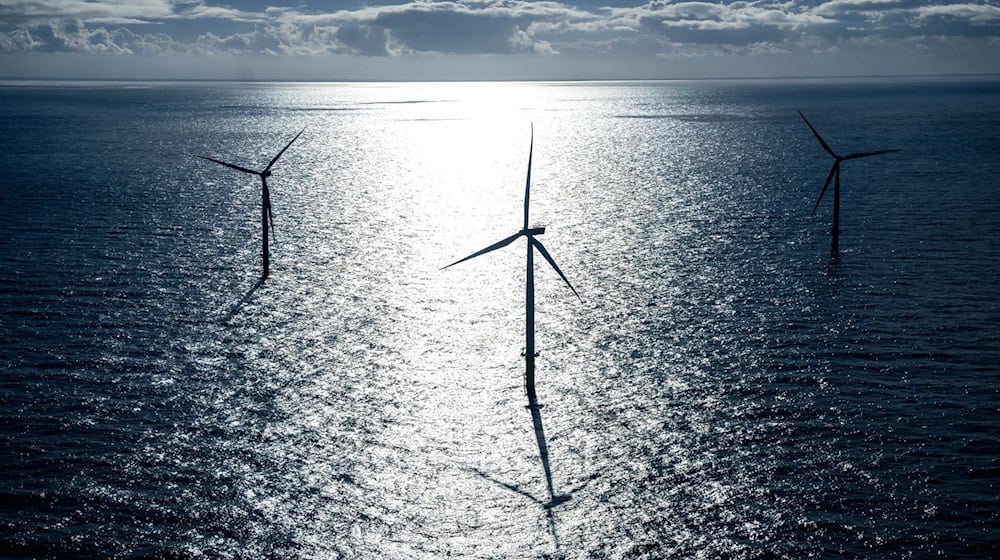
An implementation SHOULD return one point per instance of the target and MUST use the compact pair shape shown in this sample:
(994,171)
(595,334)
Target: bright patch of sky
(454,39)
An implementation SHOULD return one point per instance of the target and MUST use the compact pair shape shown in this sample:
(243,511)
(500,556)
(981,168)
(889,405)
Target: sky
(494,40)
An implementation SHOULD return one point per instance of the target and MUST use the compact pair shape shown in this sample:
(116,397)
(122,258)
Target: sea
(723,388)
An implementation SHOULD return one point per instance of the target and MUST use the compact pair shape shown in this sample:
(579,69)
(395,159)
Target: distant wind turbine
(533,243)
(265,213)
(835,176)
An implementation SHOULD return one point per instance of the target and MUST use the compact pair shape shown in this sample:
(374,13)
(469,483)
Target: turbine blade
(527,183)
(818,137)
(866,154)
(283,149)
(236,167)
(826,185)
(493,247)
(541,249)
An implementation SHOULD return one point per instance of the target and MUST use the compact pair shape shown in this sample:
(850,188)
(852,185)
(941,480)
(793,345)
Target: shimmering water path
(725,390)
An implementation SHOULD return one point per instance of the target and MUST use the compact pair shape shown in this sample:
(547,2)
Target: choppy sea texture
(725,390)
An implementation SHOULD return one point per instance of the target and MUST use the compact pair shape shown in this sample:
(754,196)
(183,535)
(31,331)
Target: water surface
(725,389)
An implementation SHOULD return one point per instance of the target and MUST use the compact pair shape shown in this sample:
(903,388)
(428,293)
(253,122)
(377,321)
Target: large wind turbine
(835,176)
(529,297)
(265,213)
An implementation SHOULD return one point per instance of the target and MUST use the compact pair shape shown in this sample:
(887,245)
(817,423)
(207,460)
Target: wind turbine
(265,212)
(835,176)
(529,319)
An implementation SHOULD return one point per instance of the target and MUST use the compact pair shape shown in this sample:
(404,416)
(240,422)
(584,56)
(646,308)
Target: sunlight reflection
(723,391)
(393,390)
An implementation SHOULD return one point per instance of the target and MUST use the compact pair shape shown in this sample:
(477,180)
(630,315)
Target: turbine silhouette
(835,176)
(533,244)
(266,215)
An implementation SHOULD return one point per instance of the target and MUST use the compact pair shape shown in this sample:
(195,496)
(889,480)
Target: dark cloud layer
(503,27)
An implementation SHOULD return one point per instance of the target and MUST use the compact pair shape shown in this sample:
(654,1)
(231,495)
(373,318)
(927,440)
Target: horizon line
(500,80)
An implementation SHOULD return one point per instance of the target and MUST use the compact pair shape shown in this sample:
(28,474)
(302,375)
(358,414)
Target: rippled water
(725,390)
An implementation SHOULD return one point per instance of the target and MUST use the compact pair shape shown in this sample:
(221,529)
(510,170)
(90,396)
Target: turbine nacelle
(533,231)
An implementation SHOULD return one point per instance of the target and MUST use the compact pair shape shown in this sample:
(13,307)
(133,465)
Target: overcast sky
(485,39)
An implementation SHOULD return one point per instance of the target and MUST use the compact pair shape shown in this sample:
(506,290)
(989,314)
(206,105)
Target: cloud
(522,40)
(447,26)
(452,27)
(122,12)
(39,11)
(497,10)
(710,23)
(976,13)
(18,40)
(70,37)
(548,29)
(202,11)
(839,7)
(291,40)
(363,39)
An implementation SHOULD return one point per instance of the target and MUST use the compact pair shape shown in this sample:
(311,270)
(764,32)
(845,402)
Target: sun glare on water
(373,201)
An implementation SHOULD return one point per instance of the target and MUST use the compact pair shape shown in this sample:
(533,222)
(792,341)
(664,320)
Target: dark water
(725,390)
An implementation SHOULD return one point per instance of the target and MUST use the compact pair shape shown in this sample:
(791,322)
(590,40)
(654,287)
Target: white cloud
(122,12)
(117,21)
(202,11)
(36,11)
(835,7)
(523,40)
(979,13)
(490,27)
(18,40)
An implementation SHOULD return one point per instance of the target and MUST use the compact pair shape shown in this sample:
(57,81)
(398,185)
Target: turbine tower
(835,176)
(265,213)
(533,243)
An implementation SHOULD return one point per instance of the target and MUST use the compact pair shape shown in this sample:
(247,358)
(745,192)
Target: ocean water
(725,389)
